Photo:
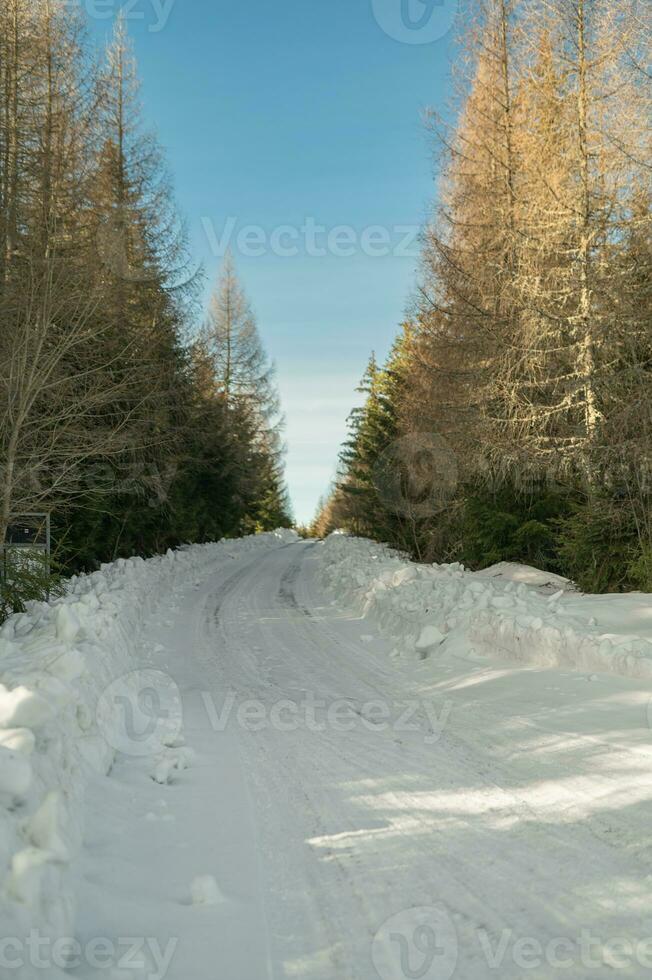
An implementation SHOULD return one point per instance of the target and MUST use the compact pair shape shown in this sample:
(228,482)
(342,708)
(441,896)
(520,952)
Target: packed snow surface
(270,758)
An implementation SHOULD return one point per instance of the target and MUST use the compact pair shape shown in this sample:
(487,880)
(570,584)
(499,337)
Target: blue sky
(274,113)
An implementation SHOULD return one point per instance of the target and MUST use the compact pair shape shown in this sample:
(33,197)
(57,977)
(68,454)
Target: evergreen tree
(243,379)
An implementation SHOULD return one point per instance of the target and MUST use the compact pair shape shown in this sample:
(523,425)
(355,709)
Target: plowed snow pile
(56,659)
(509,610)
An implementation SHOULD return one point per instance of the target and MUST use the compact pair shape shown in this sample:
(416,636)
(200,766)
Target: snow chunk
(28,868)
(163,770)
(22,708)
(509,571)
(429,637)
(206,891)
(48,828)
(173,740)
(172,759)
(406,574)
(67,624)
(18,740)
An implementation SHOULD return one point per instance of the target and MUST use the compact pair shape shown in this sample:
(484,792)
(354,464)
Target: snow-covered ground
(271,759)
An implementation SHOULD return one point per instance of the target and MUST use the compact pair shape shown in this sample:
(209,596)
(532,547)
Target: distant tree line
(512,419)
(134,430)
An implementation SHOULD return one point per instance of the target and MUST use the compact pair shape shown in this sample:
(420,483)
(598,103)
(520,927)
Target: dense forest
(512,419)
(135,429)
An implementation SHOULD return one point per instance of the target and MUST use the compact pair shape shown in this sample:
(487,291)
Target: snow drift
(56,660)
(512,611)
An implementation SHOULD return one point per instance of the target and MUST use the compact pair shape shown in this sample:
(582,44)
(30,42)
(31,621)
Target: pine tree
(243,379)
(142,278)
(58,383)
(240,365)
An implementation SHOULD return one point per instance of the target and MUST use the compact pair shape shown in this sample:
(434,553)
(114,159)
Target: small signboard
(25,533)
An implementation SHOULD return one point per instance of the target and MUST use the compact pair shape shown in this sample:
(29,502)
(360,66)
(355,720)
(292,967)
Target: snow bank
(423,606)
(56,660)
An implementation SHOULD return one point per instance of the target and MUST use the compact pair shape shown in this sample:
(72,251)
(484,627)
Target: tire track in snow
(356,827)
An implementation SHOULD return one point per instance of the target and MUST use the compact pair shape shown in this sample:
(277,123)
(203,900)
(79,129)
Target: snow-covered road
(458,818)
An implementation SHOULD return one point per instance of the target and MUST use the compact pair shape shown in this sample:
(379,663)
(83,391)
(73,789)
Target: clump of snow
(170,761)
(206,891)
(429,637)
(67,624)
(510,571)
(23,708)
(19,739)
(57,659)
(511,611)
(173,740)
(52,829)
